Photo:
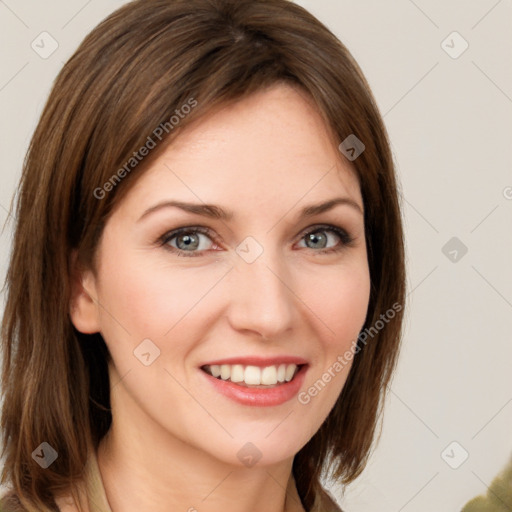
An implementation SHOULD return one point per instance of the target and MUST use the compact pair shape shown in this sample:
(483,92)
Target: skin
(174,440)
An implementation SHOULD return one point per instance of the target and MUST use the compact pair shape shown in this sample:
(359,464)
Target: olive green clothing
(498,497)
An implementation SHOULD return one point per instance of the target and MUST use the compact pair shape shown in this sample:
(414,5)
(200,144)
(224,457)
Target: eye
(316,238)
(189,241)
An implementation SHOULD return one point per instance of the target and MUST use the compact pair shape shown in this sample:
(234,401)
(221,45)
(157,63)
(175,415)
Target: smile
(260,386)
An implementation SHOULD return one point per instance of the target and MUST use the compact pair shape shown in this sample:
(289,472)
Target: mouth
(252,376)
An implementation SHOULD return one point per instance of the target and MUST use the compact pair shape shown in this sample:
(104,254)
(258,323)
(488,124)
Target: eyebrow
(216,212)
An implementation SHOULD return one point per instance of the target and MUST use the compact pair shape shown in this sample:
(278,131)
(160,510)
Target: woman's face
(261,289)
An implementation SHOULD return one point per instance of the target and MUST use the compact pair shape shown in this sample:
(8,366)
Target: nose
(261,297)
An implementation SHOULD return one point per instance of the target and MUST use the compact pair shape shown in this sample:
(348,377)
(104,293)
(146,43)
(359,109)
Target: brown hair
(128,77)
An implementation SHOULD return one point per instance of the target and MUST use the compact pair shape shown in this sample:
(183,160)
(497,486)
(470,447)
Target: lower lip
(259,397)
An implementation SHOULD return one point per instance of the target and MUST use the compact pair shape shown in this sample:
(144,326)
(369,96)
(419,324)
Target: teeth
(290,371)
(237,373)
(281,372)
(253,375)
(225,371)
(269,375)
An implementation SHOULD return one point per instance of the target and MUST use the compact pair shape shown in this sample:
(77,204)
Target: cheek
(341,304)
(149,299)
(341,307)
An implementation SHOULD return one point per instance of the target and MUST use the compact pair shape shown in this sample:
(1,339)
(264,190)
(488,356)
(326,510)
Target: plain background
(449,120)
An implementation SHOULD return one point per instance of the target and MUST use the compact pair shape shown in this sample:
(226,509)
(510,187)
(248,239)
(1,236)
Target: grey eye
(319,238)
(316,239)
(189,241)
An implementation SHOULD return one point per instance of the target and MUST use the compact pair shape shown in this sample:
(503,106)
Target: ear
(83,304)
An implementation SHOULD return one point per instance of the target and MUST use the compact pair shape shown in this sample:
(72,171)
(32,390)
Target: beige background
(450,125)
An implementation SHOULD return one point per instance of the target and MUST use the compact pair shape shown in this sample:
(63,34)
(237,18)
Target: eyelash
(346,239)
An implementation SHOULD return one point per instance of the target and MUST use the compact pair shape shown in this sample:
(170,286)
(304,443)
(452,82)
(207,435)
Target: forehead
(270,149)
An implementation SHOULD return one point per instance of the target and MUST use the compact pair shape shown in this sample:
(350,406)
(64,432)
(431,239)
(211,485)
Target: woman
(206,288)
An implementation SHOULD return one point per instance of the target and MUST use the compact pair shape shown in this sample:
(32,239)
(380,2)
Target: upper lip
(258,361)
